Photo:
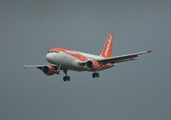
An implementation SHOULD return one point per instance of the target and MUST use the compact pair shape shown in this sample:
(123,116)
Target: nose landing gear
(58,70)
(66,78)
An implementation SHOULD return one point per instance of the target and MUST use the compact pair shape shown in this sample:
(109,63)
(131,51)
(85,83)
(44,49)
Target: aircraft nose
(49,57)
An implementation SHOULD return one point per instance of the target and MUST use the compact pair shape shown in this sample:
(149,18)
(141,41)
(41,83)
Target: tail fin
(107,49)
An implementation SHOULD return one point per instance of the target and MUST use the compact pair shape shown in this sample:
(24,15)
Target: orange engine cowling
(93,65)
(49,70)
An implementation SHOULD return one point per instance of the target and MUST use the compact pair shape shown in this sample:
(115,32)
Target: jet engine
(48,70)
(93,65)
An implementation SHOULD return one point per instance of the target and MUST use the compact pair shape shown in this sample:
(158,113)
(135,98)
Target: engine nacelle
(48,70)
(93,65)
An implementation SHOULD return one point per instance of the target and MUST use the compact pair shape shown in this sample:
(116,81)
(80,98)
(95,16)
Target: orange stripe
(107,49)
(70,52)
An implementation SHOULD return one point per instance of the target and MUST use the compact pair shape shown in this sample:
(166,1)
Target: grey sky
(138,90)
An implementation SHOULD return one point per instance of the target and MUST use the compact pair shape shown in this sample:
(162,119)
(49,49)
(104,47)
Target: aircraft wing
(38,66)
(122,58)
(118,59)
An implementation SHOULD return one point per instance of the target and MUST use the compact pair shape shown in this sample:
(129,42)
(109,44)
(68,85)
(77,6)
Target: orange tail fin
(107,49)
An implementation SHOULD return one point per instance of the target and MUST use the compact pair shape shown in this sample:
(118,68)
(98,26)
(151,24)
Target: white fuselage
(69,61)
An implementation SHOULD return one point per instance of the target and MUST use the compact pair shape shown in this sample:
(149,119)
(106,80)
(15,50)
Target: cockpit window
(53,51)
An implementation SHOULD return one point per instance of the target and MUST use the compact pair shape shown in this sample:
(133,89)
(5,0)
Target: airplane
(62,59)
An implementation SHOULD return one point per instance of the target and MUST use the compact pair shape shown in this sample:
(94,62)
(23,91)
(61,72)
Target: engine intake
(49,70)
(93,65)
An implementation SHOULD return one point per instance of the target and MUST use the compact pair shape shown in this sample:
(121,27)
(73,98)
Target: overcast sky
(136,90)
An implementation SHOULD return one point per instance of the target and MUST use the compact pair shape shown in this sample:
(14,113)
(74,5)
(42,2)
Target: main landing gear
(66,78)
(95,75)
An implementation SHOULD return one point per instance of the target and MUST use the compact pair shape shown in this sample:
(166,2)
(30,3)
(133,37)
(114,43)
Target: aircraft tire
(93,75)
(64,78)
(68,78)
(97,75)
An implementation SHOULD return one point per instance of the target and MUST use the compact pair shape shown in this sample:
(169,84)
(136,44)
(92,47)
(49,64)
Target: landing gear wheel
(97,75)
(64,78)
(68,78)
(93,75)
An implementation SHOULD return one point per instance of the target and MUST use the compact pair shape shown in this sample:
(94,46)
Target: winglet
(151,51)
(24,66)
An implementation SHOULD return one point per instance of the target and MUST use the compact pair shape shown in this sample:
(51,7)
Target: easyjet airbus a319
(66,59)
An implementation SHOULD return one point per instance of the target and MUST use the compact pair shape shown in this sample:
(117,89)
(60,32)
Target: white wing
(39,66)
(121,58)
